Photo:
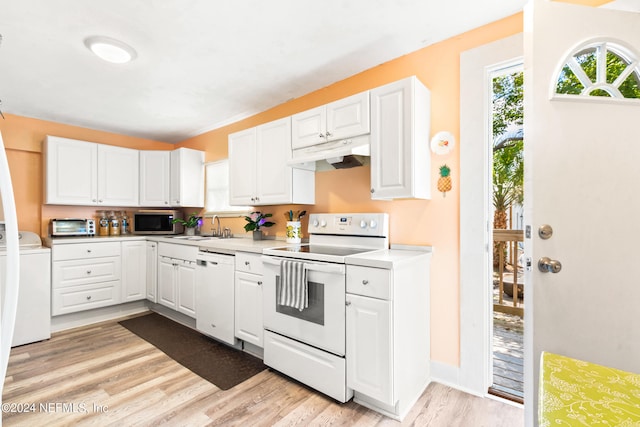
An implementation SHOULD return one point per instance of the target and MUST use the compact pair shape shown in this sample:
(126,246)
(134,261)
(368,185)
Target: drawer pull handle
(213,326)
(247,263)
(88,251)
(260,283)
(88,271)
(365,282)
(88,297)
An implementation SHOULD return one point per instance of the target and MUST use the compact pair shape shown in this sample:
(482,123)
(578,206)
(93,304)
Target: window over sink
(217,191)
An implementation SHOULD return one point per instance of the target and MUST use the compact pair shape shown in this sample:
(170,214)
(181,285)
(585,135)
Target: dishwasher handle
(203,263)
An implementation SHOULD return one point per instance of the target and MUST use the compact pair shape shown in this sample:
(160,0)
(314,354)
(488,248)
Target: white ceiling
(204,63)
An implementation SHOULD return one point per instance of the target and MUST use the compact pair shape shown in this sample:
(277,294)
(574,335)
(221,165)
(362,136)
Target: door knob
(548,265)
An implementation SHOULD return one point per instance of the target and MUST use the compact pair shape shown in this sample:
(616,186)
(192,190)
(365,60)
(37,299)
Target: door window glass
(599,69)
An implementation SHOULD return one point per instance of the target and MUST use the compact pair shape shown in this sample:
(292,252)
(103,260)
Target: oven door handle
(322,268)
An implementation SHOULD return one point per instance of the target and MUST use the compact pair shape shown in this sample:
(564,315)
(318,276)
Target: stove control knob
(373,223)
(363,224)
(315,222)
(323,223)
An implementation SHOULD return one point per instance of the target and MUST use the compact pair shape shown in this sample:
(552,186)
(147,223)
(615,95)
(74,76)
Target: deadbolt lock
(545,231)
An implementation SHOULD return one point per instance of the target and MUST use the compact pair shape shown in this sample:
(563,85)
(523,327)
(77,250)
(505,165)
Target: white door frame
(476,306)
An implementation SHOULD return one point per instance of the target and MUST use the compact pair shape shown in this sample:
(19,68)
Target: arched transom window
(602,68)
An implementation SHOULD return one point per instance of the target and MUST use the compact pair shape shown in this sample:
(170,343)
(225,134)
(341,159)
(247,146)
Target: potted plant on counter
(190,223)
(255,221)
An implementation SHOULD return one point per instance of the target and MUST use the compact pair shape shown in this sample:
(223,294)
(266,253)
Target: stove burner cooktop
(324,250)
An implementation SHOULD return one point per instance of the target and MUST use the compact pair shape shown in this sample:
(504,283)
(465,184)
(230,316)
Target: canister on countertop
(103,224)
(124,223)
(114,226)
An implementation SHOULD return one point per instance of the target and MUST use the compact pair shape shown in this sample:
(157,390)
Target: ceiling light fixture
(110,50)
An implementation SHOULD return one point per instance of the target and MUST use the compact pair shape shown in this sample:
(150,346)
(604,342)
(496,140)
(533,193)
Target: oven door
(322,323)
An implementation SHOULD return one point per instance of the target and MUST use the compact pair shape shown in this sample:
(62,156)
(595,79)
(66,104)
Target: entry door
(582,177)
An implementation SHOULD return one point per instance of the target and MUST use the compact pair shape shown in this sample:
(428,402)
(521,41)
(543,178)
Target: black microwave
(156,221)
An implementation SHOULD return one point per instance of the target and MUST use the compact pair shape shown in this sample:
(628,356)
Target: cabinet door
(273,149)
(71,171)
(215,300)
(309,127)
(242,167)
(186,287)
(248,312)
(187,178)
(118,174)
(167,294)
(155,174)
(400,156)
(134,270)
(348,117)
(370,347)
(151,265)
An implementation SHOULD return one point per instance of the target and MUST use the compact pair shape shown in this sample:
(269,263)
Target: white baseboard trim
(89,317)
(449,375)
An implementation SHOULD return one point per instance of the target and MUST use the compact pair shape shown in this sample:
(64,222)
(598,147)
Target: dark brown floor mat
(217,363)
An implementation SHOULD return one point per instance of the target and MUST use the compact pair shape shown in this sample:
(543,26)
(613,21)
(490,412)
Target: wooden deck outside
(508,356)
(508,313)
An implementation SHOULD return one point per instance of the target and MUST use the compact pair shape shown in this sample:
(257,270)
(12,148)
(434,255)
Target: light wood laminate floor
(104,375)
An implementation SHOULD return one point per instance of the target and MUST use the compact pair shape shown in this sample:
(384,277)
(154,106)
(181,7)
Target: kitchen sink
(198,238)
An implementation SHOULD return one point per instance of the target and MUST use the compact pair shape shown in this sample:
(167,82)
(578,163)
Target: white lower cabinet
(369,347)
(248,312)
(134,275)
(177,277)
(249,326)
(151,265)
(176,285)
(85,276)
(387,337)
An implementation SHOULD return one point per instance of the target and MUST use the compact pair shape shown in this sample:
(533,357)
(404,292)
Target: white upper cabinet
(242,167)
(172,178)
(155,175)
(400,156)
(86,173)
(345,118)
(117,176)
(187,178)
(258,171)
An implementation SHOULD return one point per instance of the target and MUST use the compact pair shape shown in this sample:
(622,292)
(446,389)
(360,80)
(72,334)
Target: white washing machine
(33,316)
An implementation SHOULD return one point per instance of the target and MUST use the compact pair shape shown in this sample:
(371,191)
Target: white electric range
(308,344)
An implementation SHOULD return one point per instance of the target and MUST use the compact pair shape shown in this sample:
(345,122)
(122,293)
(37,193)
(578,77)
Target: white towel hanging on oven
(294,290)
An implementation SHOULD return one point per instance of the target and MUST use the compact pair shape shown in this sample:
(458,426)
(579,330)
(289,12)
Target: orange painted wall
(434,222)
(23,138)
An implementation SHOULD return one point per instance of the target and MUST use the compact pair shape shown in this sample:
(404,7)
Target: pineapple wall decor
(444,182)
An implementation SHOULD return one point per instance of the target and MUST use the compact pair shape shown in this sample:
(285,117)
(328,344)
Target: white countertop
(231,245)
(385,258)
(388,258)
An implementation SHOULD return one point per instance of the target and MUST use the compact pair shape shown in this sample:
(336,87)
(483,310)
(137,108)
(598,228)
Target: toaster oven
(72,227)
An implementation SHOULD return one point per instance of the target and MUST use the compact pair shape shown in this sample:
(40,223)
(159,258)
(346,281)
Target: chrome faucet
(216,232)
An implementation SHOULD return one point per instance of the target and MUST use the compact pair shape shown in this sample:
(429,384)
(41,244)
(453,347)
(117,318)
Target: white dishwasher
(215,295)
(33,315)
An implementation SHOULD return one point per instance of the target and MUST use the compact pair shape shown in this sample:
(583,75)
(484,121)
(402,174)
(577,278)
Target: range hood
(340,154)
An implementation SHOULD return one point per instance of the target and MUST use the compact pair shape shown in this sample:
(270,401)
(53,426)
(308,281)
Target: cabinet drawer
(84,297)
(177,251)
(368,281)
(85,250)
(80,271)
(249,262)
